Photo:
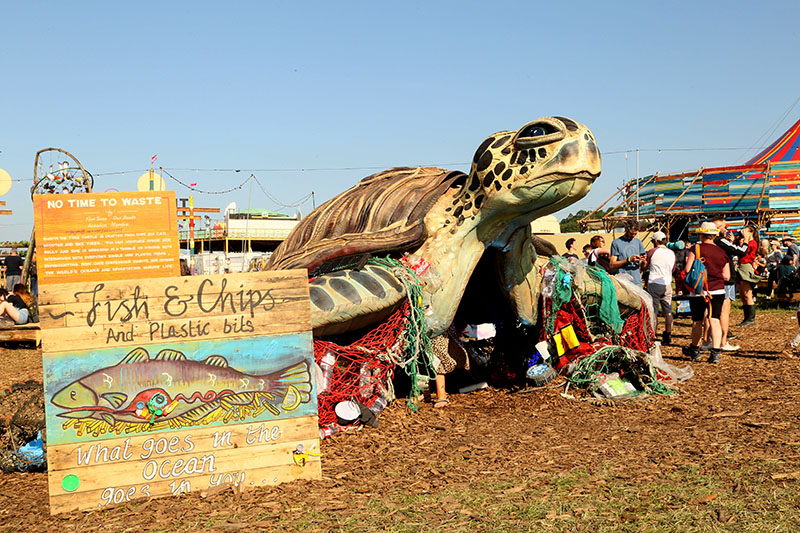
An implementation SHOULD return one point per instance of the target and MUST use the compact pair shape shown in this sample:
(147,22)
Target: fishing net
(631,365)
(362,371)
(605,341)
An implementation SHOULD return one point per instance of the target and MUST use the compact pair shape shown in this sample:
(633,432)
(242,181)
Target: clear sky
(344,89)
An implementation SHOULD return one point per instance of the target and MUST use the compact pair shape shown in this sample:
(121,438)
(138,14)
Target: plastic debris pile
(21,444)
(592,344)
(355,379)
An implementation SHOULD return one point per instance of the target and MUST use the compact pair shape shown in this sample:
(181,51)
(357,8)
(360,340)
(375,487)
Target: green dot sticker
(70,483)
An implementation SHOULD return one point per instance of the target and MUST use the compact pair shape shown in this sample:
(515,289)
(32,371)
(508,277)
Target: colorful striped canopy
(785,148)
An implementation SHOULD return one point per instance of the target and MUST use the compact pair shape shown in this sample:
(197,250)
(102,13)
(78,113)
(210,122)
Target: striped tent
(765,188)
(785,148)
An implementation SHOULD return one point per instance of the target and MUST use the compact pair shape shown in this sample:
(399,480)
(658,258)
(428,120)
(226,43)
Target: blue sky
(274,87)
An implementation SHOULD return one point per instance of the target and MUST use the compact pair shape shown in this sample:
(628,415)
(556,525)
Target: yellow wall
(584,238)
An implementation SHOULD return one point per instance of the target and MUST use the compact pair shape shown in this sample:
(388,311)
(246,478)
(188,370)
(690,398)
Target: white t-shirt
(662,261)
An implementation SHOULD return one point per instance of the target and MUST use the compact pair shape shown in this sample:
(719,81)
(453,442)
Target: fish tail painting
(168,391)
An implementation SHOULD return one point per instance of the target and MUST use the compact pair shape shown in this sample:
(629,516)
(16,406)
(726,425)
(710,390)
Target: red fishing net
(360,371)
(637,331)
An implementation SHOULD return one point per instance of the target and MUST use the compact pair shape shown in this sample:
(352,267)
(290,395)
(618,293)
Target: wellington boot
(749,315)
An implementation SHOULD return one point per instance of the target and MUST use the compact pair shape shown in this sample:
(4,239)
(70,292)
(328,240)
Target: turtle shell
(382,213)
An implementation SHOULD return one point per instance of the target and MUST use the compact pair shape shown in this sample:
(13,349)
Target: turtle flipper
(347,300)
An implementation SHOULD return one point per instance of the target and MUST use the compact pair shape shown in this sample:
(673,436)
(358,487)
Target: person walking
(13,268)
(747,274)
(725,240)
(627,253)
(713,292)
(659,263)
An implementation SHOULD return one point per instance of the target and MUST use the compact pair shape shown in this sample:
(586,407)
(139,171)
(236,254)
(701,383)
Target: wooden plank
(6,212)
(199,209)
(202,460)
(82,316)
(242,480)
(21,335)
(106,236)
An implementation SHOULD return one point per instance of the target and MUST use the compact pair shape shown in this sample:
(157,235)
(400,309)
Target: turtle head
(540,168)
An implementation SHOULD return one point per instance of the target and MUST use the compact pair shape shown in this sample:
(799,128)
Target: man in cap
(627,253)
(713,293)
(659,263)
(792,250)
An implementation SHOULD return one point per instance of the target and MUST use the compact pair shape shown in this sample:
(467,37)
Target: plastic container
(475,386)
(326,364)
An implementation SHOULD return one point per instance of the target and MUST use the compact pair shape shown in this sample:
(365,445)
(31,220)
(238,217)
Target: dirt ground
(722,455)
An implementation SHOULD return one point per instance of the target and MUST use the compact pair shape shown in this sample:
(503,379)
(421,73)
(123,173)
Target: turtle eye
(537,130)
(538,133)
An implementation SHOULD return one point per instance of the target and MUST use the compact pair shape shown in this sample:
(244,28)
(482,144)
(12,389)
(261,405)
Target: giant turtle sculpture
(447,219)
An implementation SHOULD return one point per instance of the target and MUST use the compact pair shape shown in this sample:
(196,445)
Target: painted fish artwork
(143,393)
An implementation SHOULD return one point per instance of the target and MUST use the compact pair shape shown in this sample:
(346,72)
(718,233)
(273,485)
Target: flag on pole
(153,159)
(192,185)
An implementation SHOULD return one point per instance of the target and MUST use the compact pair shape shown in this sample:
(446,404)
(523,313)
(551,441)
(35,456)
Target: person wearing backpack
(707,281)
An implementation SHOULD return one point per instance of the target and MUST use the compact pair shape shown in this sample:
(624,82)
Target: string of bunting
(299,202)
(238,187)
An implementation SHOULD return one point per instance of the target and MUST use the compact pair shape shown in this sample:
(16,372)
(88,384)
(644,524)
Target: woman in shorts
(12,306)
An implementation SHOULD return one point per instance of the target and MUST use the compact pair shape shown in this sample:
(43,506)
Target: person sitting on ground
(572,252)
(784,272)
(12,306)
(30,302)
(717,272)
(659,263)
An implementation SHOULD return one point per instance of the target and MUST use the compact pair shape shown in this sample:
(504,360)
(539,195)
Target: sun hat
(659,236)
(788,238)
(707,228)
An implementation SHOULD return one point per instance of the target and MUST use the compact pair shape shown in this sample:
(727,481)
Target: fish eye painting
(124,391)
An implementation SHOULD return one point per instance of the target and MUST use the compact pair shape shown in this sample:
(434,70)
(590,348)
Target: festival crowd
(709,274)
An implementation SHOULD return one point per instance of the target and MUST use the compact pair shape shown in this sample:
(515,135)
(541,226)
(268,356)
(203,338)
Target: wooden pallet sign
(171,385)
(106,236)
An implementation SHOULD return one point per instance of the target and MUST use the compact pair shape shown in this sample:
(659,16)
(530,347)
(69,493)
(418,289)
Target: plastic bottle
(326,364)
(378,405)
(327,431)
(366,386)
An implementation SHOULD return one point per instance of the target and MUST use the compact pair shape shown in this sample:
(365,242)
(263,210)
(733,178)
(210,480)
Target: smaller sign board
(105,236)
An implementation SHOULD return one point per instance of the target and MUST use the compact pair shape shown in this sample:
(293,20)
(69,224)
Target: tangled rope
(630,363)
